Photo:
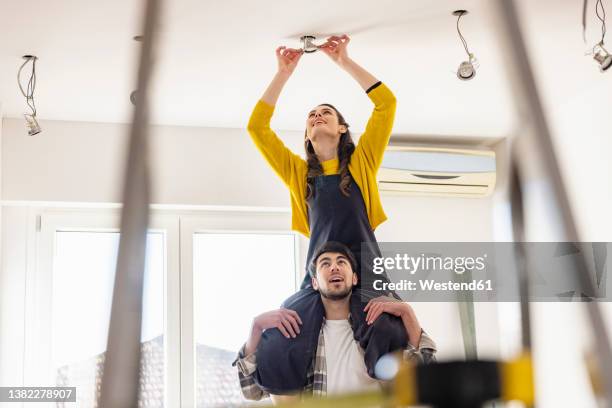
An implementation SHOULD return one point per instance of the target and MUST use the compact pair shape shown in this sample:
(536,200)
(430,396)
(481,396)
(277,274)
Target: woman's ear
(342,129)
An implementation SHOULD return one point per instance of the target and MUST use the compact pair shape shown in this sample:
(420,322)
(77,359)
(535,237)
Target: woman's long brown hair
(346,147)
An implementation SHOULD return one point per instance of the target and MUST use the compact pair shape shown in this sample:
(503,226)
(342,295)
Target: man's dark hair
(333,246)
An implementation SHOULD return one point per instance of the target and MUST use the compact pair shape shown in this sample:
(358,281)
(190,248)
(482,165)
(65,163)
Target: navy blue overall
(282,363)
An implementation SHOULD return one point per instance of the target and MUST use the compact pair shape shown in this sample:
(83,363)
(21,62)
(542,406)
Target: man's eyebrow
(328,258)
(324,258)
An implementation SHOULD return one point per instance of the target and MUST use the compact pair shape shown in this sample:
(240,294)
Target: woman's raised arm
(284,162)
(373,142)
(336,48)
(288,59)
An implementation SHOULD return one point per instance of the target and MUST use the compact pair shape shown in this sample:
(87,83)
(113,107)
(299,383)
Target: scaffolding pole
(120,379)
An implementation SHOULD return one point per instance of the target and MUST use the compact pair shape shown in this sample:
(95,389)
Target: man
(338,365)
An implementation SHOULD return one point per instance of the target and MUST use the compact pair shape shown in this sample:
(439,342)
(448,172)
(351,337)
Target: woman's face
(323,120)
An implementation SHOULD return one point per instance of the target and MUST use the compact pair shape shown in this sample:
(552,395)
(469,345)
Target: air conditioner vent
(437,171)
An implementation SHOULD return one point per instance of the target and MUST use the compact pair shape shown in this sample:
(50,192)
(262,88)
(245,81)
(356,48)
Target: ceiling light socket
(308,44)
(603,57)
(32,124)
(466,71)
(604,62)
(29,57)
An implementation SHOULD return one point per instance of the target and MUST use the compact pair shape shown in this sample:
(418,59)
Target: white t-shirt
(346,370)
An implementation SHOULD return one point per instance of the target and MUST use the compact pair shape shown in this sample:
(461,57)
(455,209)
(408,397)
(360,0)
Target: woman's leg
(282,363)
(385,335)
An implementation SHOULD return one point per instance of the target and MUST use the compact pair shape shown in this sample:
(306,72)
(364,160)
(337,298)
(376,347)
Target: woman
(334,197)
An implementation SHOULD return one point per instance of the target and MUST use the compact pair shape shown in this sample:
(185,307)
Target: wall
(83,162)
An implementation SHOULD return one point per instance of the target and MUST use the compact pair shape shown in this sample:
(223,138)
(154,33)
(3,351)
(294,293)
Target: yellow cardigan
(364,164)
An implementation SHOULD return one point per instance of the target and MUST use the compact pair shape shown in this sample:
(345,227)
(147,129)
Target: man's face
(335,278)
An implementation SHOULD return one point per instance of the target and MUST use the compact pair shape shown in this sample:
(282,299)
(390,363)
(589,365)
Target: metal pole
(518,232)
(529,105)
(120,381)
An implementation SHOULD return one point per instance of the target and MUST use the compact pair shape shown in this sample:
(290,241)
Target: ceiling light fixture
(602,56)
(308,44)
(134,97)
(134,93)
(467,69)
(599,53)
(31,123)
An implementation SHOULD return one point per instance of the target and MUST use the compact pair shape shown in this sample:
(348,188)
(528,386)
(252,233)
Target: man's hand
(285,320)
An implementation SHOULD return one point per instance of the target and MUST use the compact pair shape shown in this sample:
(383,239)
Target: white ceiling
(215,59)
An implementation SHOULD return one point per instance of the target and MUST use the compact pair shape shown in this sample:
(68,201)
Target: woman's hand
(335,48)
(385,304)
(288,59)
(285,320)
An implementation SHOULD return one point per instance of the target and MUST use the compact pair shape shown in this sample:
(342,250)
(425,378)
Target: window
(236,277)
(83,279)
(207,275)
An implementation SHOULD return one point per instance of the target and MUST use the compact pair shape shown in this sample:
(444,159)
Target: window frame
(38,348)
(268,222)
(178,224)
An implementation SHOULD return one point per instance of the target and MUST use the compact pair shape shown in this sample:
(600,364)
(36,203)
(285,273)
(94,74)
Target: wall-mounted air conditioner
(437,171)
